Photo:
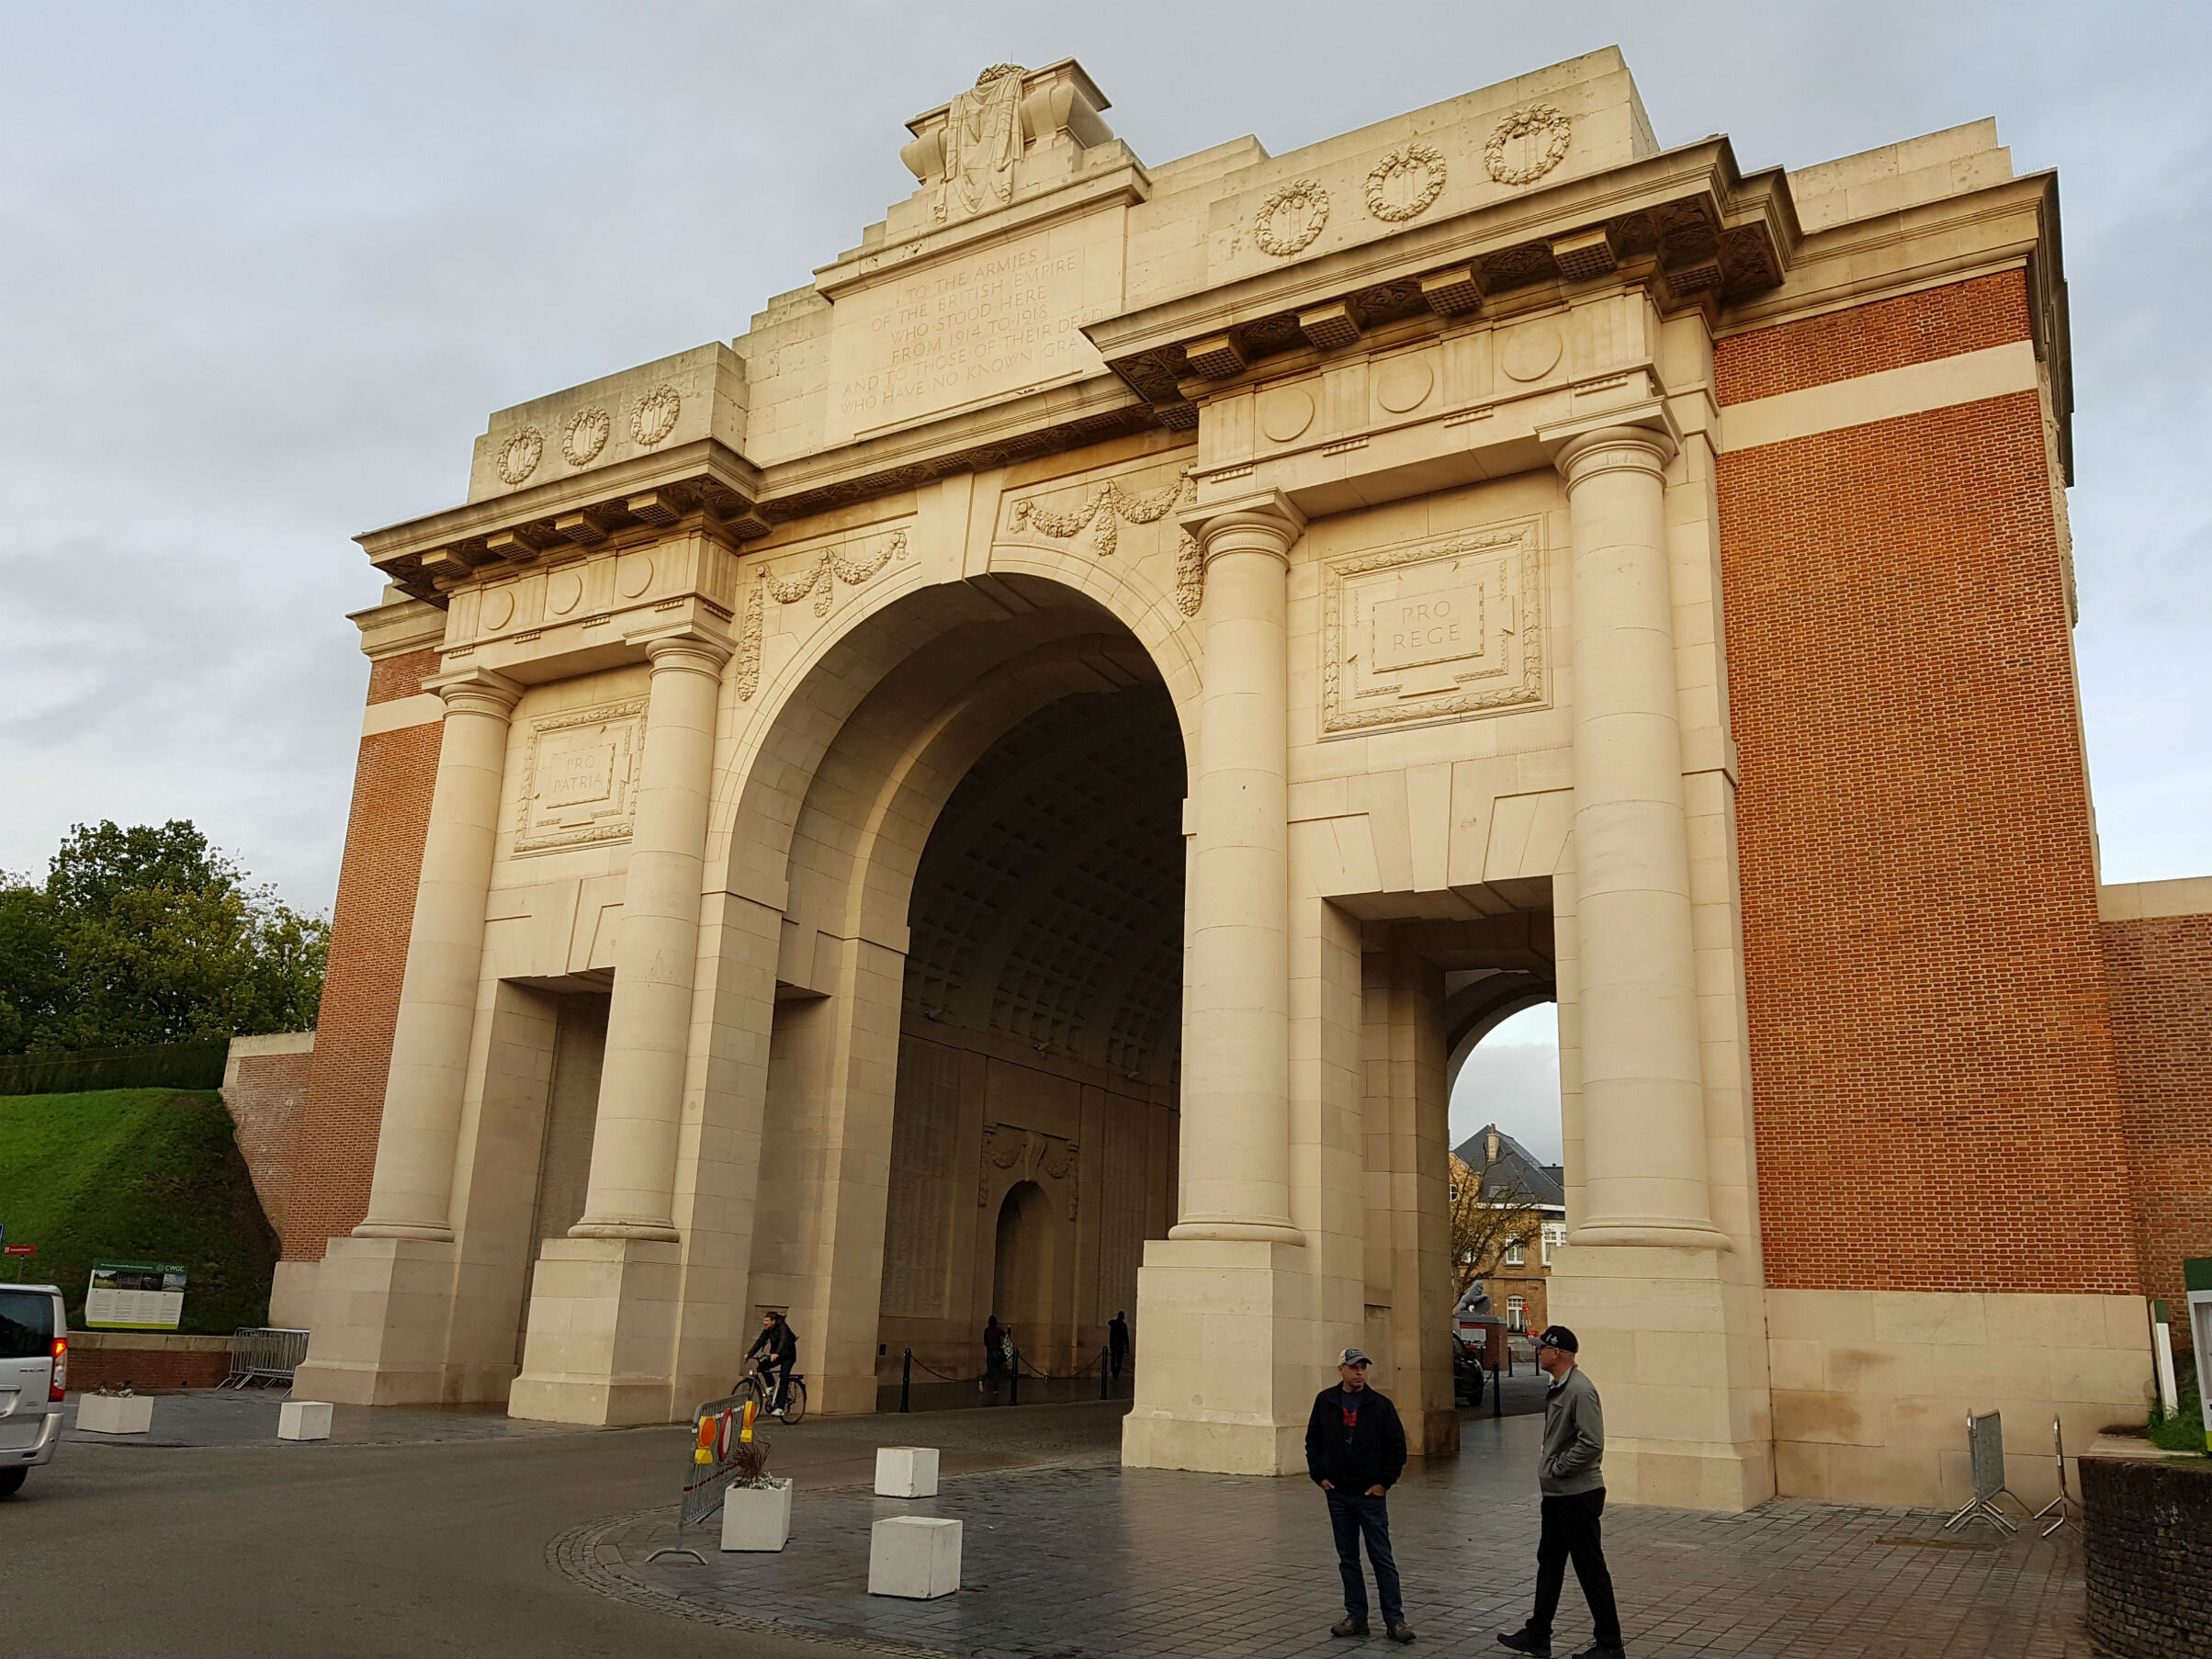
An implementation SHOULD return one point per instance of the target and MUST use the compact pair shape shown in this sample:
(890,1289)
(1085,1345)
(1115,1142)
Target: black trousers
(1571,1534)
(1115,1357)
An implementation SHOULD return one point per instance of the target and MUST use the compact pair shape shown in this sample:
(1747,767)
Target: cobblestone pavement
(1088,1559)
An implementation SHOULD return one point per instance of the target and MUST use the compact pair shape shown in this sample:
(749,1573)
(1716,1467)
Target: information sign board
(135,1296)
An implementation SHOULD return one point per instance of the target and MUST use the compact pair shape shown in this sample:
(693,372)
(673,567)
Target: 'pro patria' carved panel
(1446,627)
(580,777)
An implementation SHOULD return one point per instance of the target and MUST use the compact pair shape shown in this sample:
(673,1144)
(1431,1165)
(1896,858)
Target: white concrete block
(304,1420)
(916,1556)
(756,1517)
(115,1413)
(906,1472)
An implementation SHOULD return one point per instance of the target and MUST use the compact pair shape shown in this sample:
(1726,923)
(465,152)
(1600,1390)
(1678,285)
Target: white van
(34,1376)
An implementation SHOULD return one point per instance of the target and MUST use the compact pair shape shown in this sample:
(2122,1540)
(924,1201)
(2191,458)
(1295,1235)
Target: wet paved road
(455,1533)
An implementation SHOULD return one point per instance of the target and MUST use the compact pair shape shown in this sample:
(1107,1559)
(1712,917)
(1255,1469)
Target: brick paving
(1088,1559)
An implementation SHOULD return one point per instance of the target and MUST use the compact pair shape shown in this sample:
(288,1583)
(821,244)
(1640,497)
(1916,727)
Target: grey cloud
(270,267)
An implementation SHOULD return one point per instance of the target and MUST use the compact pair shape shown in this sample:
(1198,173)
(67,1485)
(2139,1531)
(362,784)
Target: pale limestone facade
(1421,570)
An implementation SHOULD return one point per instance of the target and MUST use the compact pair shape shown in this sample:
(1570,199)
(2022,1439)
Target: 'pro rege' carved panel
(1426,630)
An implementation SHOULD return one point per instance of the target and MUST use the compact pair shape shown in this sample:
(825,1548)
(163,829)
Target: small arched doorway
(1025,1278)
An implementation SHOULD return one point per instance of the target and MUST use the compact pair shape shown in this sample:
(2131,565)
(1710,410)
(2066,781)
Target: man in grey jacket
(1572,1478)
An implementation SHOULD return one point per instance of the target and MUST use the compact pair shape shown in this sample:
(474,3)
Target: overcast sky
(267,268)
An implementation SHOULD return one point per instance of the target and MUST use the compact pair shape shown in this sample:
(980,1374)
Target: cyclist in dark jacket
(1355,1450)
(779,1351)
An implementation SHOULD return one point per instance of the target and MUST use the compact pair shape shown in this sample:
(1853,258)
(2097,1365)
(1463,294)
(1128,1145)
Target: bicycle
(754,1385)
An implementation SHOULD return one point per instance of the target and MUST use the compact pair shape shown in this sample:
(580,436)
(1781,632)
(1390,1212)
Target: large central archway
(967,817)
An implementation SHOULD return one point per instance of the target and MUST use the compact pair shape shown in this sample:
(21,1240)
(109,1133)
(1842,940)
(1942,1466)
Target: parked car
(34,1378)
(1466,1373)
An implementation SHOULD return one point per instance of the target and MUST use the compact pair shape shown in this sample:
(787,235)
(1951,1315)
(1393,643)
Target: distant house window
(1555,1234)
(1516,1255)
(1517,1314)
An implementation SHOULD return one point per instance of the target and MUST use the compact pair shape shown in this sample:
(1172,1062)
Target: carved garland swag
(1110,509)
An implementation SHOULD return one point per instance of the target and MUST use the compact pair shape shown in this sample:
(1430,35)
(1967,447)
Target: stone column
(632,1191)
(1236,1161)
(411,1195)
(1644,1095)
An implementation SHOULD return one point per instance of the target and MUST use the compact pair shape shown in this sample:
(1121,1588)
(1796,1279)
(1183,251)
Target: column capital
(686,648)
(1264,522)
(1615,449)
(475,691)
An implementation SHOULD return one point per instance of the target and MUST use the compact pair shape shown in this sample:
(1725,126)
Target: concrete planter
(756,1517)
(115,1413)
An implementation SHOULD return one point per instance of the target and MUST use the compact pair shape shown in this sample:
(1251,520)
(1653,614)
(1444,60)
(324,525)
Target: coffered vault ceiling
(1048,905)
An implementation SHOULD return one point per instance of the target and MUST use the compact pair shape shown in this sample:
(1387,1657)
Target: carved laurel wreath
(586,435)
(655,416)
(1402,159)
(818,581)
(1527,123)
(519,455)
(1311,203)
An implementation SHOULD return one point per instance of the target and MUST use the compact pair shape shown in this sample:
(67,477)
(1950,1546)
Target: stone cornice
(425,556)
(1698,230)
(397,625)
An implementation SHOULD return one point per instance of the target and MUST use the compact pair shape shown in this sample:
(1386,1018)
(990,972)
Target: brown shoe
(1349,1626)
(1401,1632)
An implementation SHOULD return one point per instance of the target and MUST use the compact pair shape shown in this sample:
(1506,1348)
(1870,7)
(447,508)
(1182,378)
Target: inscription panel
(1446,627)
(959,331)
(579,776)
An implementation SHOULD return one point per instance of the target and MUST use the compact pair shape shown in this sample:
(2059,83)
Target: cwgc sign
(135,1295)
(933,337)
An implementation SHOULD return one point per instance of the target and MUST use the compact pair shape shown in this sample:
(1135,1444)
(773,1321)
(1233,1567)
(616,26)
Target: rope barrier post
(906,1381)
(1015,1398)
(1102,1357)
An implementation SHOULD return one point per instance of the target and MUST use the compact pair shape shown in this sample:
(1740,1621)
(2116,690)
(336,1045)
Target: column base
(1677,1348)
(1233,1358)
(382,1308)
(602,1334)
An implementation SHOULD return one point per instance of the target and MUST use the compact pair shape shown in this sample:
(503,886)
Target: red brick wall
(2158,976)
(266,1102)
(368,955)
(1866,339)
(144,1368)
(1935,1101)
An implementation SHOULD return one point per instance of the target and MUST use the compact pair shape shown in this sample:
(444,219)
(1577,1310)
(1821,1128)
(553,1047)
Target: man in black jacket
(1355,1450)
(779,1351)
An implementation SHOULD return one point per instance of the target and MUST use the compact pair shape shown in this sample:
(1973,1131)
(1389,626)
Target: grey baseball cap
(1352,1356)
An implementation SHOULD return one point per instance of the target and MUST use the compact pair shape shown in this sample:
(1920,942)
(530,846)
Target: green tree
(150,935)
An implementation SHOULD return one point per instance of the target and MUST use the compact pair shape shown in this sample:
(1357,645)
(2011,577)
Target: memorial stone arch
(1029,765)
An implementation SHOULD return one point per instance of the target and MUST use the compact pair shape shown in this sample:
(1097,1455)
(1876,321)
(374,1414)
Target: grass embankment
(136,1175)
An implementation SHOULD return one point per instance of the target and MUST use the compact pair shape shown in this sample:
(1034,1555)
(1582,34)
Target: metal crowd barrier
(1985,1454)
(264,1354)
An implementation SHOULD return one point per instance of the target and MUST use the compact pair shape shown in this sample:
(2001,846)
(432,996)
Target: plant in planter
(756,1506)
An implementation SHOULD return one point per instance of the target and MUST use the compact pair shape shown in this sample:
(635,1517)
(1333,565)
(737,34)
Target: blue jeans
(1352,1517)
